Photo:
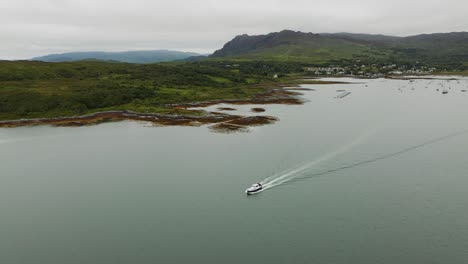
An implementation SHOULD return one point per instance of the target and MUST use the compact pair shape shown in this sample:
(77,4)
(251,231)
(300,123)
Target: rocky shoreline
(220,122)
(280,95)
(219,119)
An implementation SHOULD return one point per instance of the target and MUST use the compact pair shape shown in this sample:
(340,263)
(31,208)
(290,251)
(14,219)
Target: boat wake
(290,174)
(297,174)
(383,157)
(8,141)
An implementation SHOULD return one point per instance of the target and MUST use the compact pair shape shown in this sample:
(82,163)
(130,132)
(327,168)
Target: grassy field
(38,89)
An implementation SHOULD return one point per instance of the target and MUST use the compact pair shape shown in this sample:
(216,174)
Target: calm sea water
(128,192)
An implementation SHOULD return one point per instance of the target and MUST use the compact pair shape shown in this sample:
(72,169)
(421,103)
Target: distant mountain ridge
(144,56)
(299,46)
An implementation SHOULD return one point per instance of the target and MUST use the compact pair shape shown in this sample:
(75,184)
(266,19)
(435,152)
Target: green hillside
(296,46)
(448,48)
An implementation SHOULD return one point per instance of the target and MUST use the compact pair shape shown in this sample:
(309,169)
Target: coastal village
(362,71)
(370,71)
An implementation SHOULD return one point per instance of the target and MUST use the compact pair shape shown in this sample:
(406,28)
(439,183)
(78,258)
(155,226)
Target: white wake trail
(7,141)
(290,174)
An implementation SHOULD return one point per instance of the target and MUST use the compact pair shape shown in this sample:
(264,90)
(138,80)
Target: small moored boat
(255,188)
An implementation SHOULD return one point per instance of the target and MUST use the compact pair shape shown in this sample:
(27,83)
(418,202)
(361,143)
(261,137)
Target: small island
(257,110)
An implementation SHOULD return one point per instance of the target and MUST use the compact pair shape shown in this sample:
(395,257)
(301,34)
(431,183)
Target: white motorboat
(255,188)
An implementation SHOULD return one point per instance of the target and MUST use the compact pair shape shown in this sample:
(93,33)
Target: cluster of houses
(363,70)
(372,71)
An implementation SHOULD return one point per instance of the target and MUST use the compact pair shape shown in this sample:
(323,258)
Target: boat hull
(253,191)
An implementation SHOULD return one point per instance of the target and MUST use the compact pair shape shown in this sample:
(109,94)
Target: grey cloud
(35,27)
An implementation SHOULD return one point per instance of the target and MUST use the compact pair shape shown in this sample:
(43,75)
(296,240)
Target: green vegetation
(38,89)
(295,47)
(443,51)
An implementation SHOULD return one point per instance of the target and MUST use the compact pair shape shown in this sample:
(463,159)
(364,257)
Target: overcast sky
(31,28)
